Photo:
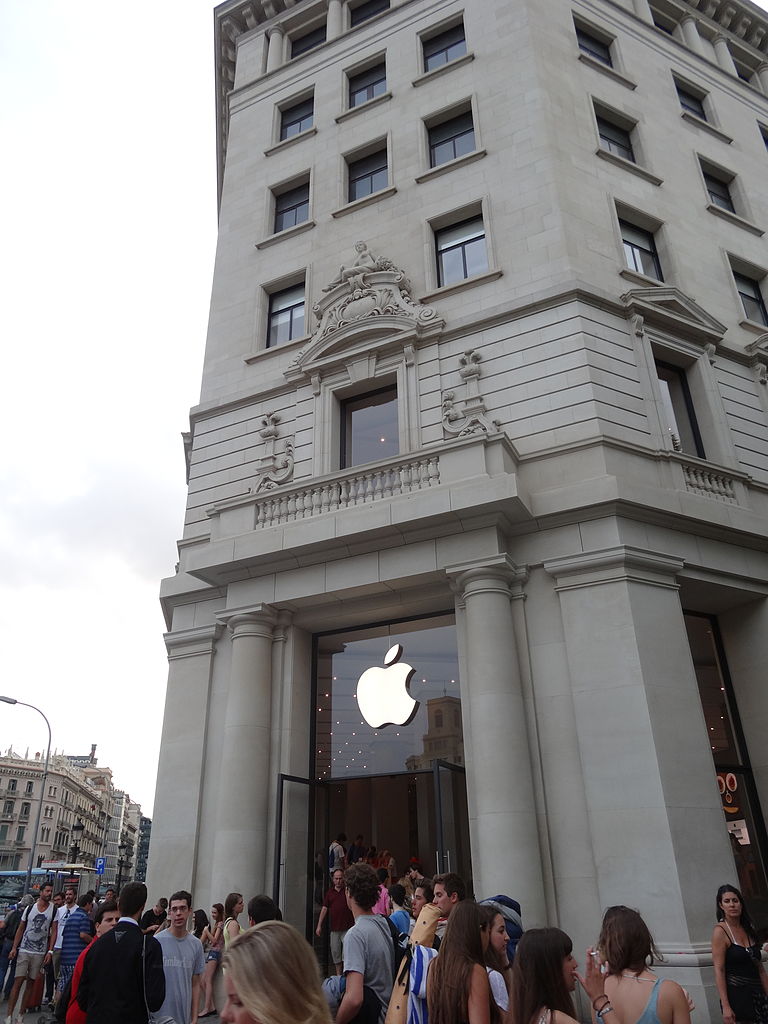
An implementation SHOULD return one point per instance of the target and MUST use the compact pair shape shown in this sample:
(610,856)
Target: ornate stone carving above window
(275,468)
(368,305)
(471,417)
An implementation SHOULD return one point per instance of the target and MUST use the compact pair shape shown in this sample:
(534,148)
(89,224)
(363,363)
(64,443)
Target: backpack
(513,922)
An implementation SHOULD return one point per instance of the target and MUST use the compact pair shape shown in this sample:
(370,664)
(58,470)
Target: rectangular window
(451,139)
(678,410)
(640,250)
(30,788)
(20,833)
(718,191)
(461,251)
(367,85)
(615,139)
(25,809)
(593,47)
(3,833)
(308,41)
(690,102)
(297,119)
(751,297)
(367,175)
(11,785)
(286,315)
(369,427)
(367,10)
(444,47)
(292,207)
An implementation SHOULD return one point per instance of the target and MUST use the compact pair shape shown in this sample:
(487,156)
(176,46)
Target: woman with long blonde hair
(271,977)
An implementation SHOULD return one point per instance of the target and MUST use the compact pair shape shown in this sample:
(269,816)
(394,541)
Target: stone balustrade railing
(356,487)
(710,483)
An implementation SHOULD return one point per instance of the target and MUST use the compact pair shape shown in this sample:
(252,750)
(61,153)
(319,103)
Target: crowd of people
(431,955)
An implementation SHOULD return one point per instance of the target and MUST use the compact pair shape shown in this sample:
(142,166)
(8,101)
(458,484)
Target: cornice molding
(622,563)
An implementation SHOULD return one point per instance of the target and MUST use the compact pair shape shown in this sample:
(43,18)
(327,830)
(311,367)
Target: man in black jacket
(123,980)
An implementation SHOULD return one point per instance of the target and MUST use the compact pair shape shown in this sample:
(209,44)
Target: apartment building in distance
(475,557)
(76,792)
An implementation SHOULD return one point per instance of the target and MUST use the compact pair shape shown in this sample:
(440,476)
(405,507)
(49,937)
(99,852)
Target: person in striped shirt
(78,932)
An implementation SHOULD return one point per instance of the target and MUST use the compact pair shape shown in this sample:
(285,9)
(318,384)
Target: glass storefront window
(731,762)
(374,716)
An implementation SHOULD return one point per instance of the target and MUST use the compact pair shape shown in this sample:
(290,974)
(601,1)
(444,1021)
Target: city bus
(12,882)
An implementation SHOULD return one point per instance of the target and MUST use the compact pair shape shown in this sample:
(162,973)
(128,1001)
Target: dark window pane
(461,251)
(286,315)
(445,47)
(367,175)
(752,298)
(615,139)
(297,119)
(367,10)
(593,47)
(678,410)
(367,85)
(451,139)
(719,192)
(691,103)
(640,250)
(308,41)
(369,428)
(292,207)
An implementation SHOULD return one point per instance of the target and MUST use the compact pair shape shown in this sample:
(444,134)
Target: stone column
(691,34)
(723,55)
(240,851)
(656,819)
(503,831)
(643,10)
(183,752)
(335,22)
(564,804)
(762,75)
(275,51)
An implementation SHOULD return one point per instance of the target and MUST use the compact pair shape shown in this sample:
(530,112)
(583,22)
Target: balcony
(456,481)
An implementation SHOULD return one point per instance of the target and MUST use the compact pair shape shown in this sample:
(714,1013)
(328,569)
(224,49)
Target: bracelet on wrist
(605,1008)
(601,995)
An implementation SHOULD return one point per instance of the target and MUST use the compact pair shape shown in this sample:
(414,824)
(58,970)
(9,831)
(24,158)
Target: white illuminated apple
(382,693)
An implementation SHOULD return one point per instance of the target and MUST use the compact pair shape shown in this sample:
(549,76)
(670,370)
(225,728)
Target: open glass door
(294,881)
(452,821)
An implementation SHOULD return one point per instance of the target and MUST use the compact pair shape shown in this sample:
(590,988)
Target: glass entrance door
(451,821)
(295,884)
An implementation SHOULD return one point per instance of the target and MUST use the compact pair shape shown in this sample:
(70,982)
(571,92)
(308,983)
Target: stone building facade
(484,406)
(74,793)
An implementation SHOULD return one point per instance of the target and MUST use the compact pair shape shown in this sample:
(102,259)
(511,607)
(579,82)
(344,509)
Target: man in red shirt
(107,917)
(335,904)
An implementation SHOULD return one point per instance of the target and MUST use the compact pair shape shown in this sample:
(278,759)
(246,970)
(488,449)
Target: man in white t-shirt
(183,965)
(30,948)
(337,858)
(63,912)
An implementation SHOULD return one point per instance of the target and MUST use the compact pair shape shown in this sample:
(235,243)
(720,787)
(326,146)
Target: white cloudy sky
(108,235)
(108,232)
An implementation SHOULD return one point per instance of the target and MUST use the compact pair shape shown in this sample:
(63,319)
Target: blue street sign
(100,865)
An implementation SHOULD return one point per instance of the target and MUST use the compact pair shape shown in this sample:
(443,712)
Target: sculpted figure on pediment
(370,286)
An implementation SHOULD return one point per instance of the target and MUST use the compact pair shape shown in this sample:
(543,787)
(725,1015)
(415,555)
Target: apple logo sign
(382,693)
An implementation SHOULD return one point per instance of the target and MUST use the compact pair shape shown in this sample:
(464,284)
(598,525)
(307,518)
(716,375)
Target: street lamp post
(121,849)
(12,700)
(77,831)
